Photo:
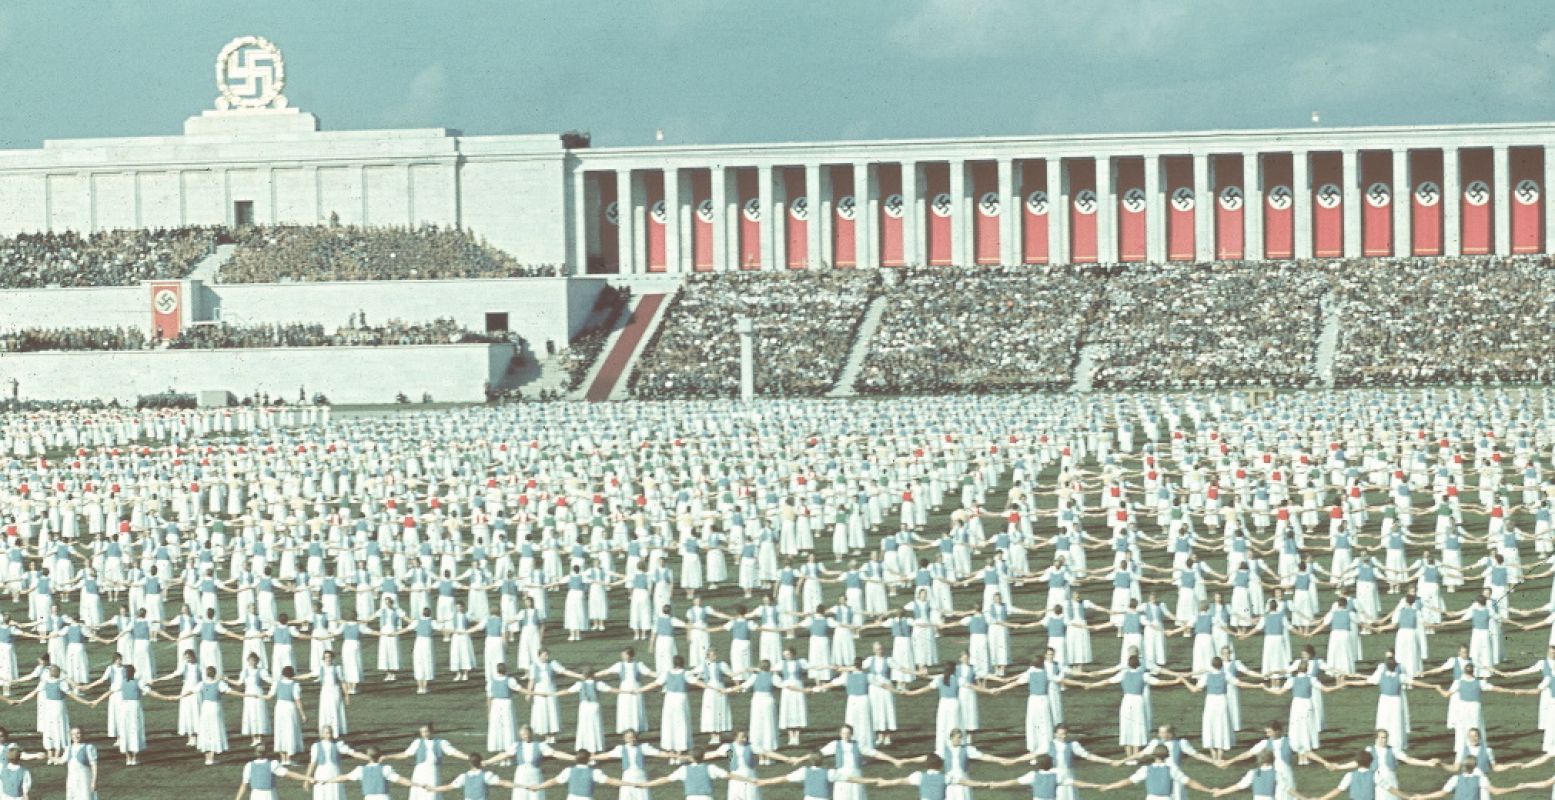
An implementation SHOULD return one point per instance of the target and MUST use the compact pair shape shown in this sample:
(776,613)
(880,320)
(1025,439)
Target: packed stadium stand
(979,329)
(109,258)
(266,254)
(805,326)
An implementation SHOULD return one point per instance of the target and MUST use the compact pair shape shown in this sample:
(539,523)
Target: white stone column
(780,218)
(718,179)
(1301,203)
(1252,206)
(912,215)
(1203,208)
(960,216)
(1350,181)
(866,215)
(639,214)
(814,258)
(1155,216)
(624,234)
(673,224)
(1452,202)
(1106,211)
(766,201)
(1544,197)
(1057,211)
(1501,200)
(1403,203)
(1009,214)
(579,260)
(686,210)
(822,217)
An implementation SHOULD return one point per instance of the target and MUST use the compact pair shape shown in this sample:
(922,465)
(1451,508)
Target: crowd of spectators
(107,258)
(276,253)
(1482,319)
(1178,326)
(580,354)
(805,324)
(984,329)
(220,336)
(33,340)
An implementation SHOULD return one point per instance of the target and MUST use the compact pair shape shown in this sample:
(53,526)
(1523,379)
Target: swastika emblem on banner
(1477,193)
(752,209)
(613,213)
(1231,198)
(893,206)
(165,301)
(1428,193)
(941,205)
(1085,202)
(988,204)
(1182,199)
(705,210)
(1280,197)
(1134,200)
(1036,202)
(846,207)
(1378,195)
(1526,192)
(1329,195)
(799,208)
(659,214)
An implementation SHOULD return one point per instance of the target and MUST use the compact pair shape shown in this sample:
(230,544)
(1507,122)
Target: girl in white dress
(289,715)
(333,697)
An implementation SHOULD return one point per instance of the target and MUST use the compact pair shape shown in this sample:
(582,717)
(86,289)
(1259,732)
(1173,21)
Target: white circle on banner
(893,206)
(752,209)
(1231,198)
(613,213)
(941,205)
(1085,202)
(1526,192)
(1378,195)
(1036,202)
(799,208)
(846,207)
(1428,193)
(1134,200)
(988,204)
(1280,197)
(1182,199)
(658,213)
(705,210)
(1329,195)
(165,301)
(1477,193)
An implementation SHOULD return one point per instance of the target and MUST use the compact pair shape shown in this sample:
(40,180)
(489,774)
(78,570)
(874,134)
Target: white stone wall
(112,307)
(451,373)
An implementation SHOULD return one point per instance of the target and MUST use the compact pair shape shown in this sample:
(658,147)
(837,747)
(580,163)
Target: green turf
(385,714)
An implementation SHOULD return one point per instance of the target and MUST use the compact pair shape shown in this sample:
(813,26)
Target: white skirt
(589,734)
(763,722)
(792,709)
(716,715)
(500,731)
(211,733)
(288,728)
(421,664)
(1215,727)
(675,723)
(131,724)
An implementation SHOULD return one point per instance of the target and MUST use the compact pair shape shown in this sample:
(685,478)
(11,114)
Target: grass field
(385,714)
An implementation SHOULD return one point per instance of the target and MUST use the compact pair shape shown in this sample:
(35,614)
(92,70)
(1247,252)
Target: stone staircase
(1085,367)
(1328,340)
(208,268)
(860,351)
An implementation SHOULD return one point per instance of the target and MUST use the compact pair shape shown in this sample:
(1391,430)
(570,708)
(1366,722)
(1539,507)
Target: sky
(719,71)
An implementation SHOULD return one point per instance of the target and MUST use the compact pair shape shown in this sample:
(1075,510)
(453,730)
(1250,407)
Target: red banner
(1425,218)
(798,218)
(1131,202)
(1082,210)
(609,224)
(940,209)
(1327,205)
(702,216)
(986,207)
(1478,192)
(655,219)
(1279,215)
(1527,199)
(1229,207)
(892,207)
(1179,209)
(844,209)
(750,219)
(1376,203)
(1034,211)
(167,309)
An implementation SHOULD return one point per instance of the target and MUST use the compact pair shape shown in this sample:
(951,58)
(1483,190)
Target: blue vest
(1363,785)
(697,782)
(261,775)
(1158,780)
(816,782)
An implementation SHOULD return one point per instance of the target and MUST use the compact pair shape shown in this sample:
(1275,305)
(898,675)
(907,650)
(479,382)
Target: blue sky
(729,71)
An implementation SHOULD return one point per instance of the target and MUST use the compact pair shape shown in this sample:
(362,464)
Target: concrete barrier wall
(450,373)
(108,307)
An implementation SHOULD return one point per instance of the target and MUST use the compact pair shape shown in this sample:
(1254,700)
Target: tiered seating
(269,254)
(107,258)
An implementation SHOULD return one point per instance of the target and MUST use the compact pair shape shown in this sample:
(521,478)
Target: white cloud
(425,98)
